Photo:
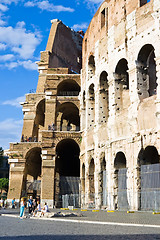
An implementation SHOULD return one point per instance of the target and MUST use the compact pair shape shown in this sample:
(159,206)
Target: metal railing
(64,128)
(68,93)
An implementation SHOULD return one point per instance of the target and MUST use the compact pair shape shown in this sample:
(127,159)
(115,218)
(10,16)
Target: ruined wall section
(131,114)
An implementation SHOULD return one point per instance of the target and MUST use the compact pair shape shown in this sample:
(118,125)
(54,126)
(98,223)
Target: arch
(39,119)
(120,161)
(149,175)
(121,72)
(146,72)
(91,106)
(120,183)
(83,178)
(67,158)
(103,98)
(148,156)
(121,83)
(33,162)
(68,88)
(67,171)
(91,66)
(68,117)
(91,181)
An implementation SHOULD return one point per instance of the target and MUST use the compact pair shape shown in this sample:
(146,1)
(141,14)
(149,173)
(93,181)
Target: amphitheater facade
(93,139)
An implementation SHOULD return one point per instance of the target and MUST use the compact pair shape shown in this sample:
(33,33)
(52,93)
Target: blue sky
(24,30)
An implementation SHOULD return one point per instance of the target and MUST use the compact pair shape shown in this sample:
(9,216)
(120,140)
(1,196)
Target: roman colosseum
(120,107)
(92,140)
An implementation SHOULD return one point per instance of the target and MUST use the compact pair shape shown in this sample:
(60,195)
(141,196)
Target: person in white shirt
(45,209)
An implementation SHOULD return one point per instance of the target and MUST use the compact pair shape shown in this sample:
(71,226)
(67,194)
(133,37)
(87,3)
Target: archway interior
(67,160)
(146,72)
(91,180)
(103,182)
(67,172)
(149,178)
(104,98)
(32,175)
(33,163)
(121,201)
(91,106)
(39,119)
(122,75)
(68,117)
(149,156)
(83,178)
(91,67)
(68,88)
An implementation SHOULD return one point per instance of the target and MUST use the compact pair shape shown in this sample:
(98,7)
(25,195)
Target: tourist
(38,209)
(45,209)
(30,205)
(22,207)
(13,203)
(34,205)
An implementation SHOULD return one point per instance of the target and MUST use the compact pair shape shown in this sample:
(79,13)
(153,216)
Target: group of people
(3,203)
(34,207)
(29,139)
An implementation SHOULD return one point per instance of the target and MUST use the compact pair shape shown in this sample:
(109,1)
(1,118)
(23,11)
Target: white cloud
(3,46)
(80,26)
(19,40)
(29,65)
(3,8)
(46,5)
(6,57)
(93,4)
(10,131)
(14,102)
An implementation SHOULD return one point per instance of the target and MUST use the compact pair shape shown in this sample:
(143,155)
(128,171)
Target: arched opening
(149,178)
(91,67)
(120,177)
(32,175)
(83,178)
(146,72)
(91,106)
(103,98)
(121,81)
(68,88)
(39,120)
(103,182)
(67,173)
(83,111)
(68,117)
(91,183)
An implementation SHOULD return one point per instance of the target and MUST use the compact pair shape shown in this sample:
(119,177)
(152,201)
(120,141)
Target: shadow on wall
(84,237)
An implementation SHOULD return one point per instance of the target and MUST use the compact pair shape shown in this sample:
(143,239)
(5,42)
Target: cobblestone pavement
(27,229)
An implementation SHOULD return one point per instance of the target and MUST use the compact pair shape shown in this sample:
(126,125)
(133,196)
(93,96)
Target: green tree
(4,182)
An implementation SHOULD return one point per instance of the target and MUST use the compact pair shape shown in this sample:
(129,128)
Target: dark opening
(67,160)
(33,163)
(143,2)
(148,156)
(68,88)
(121,71)
(146,72)
(69,117)
(120,161)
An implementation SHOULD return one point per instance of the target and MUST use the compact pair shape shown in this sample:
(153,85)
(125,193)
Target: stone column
(48,177)
(50,110)
(16,179)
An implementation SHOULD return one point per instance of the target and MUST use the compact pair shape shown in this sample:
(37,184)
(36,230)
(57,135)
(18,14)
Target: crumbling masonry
(116,149)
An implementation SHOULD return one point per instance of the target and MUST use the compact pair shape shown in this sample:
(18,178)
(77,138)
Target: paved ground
(33,229)
(103,216)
